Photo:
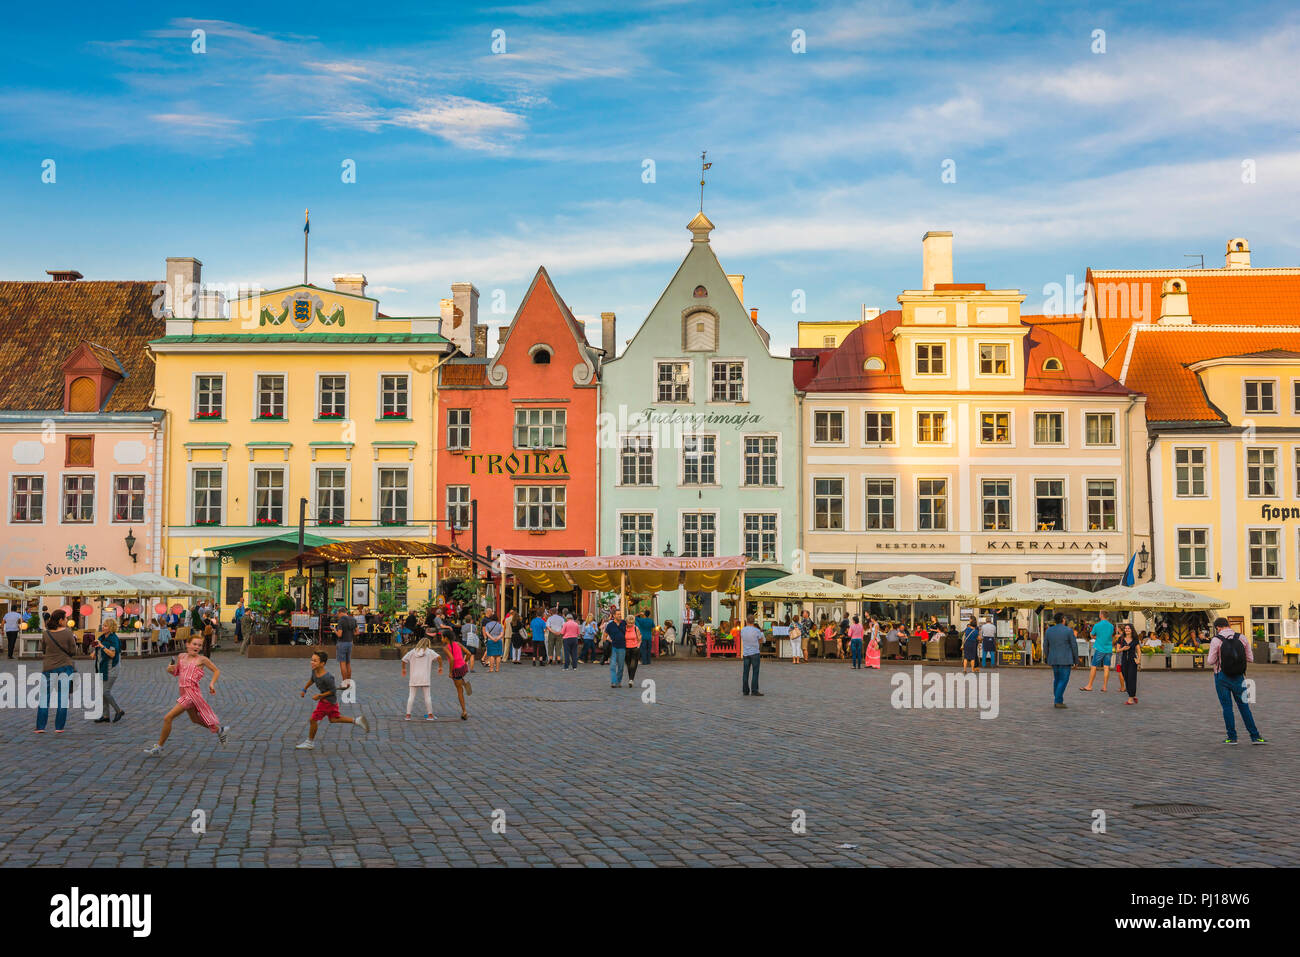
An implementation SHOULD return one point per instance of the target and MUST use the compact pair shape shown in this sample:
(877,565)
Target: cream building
(955,439)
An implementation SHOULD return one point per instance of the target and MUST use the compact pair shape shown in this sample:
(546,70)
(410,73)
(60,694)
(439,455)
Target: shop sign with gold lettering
(517,463)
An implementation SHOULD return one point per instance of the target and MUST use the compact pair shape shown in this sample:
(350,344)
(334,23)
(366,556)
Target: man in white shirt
(13,622)
(751,644)
(554,636)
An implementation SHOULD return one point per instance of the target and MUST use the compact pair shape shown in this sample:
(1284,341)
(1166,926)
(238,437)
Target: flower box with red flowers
(208,521)
(330,521)
(386,522)
(394,415)
(330,415)
(268,521)
(270,415)
(208,415)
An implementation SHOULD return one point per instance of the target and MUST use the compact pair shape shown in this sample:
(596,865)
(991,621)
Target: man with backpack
(1229,654)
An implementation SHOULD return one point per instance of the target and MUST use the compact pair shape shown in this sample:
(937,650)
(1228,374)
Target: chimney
(63,275)
(352,283)
(480,340)
(1174,310)
(753,315)
(738,284)
(184,285)
(1238,256)
(464,317)
(869,313)
(502,332)
(607,329)
(936,258)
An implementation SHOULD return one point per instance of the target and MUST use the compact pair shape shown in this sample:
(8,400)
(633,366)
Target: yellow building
(301,393)
(1218,354)
(832,333)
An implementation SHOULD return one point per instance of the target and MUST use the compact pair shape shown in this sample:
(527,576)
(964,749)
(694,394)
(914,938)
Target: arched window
(83,395)
(874,364)
(700,292)
(700,332)
(1053,364)
(541,355)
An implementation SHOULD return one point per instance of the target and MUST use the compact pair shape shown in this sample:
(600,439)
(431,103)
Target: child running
(326,699)
(459,668)
(420,660)
(188,669)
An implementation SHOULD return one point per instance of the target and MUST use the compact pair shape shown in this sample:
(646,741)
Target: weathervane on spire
(306,231)
(703,167)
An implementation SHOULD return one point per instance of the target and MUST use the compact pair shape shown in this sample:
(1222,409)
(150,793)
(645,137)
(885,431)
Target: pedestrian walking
(59,647)
(327,701)
(856,632)
(1103,638)
(588,636)
(1128,649)
(345,633)
(751,646)
(494,635)
(1059,651)
(554,636)
(632,642)
(873,646)
(418,663)
(988,642)
(970,647)
(188,667)
(458,656)
(108,655)
(616,648)
(569,634)
(12,622)
(537,627)
(1228,656)
(796,636)
(646,626)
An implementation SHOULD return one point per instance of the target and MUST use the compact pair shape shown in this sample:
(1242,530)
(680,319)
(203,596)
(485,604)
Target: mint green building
(699,435)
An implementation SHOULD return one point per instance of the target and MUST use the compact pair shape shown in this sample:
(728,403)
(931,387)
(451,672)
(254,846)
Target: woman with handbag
(633,638)
(60,649)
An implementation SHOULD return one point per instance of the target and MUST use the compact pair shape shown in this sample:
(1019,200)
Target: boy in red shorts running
(326,699)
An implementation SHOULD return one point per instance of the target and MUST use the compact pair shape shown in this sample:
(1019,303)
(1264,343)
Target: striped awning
(645,573)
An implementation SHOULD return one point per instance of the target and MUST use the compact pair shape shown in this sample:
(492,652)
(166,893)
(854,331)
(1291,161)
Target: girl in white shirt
(419,663)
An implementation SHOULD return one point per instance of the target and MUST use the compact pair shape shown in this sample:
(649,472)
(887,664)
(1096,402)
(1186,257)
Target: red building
(518,435)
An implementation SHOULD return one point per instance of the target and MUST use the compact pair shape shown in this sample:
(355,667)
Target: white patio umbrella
(10,593)
(1153,596)
(912,588)
(103,584)
(160,586)
(802,587)
(1032,594)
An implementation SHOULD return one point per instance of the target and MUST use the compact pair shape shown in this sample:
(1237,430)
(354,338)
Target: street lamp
(1294,611)
(130,546)
(1144,558)
(668,550)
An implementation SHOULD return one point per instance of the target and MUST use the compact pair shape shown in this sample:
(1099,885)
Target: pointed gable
(543,332)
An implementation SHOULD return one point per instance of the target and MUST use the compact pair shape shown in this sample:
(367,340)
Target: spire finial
(703,166)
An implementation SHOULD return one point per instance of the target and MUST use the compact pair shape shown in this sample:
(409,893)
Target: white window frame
(895,427)
(654,460)
(948,425)
(467,427)
(45,498)
(447,505)
(379,469)
(528,427)
(745,437)
(346,469)
(1277,398)
(1011,428)
(257,395)
(1114,428)
(948,513)
(979,503)
(717,528)
(347,396)
(112,505)
(844,426)
(740,531)
(194,396)
(530,486)
(253,469)
(690,382)
(1065,504)
(379,396)
(916,358)
(866,513)
(1281,552)
(1279,481)
(654,527)
(1209,553)
(1033,429)
(219,467)
(979,361)
(1119,505)
(744,379)
(845,485)
(95,496)
(1205,469)
(717,461)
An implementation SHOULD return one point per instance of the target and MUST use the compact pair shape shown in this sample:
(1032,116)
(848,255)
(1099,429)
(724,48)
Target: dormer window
(89,375)
(541,355)
(874,364)
(1053,364)
(83,395)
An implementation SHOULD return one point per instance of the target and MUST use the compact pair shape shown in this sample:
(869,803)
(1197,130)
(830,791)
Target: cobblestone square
(584,774)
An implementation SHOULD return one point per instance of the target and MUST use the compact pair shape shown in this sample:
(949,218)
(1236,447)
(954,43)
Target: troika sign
(529,463)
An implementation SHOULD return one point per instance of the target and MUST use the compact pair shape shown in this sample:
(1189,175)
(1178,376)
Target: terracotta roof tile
(1155,359)
(1067,328)
(460,375)
(844,370)
(41,323)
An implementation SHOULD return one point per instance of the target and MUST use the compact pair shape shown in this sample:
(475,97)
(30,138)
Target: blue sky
(478,165)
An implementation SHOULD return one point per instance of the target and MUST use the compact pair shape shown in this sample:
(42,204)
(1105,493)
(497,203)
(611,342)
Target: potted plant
(1182,658)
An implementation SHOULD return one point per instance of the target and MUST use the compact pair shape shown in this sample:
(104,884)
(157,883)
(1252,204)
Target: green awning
(285,540)
(761,576)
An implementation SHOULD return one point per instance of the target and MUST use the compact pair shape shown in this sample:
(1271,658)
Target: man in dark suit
(1059,650)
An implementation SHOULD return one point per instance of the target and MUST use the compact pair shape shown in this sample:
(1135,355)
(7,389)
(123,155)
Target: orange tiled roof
(843,370)
(1069,329)
(1253,297)
(458,374)
(1154,359)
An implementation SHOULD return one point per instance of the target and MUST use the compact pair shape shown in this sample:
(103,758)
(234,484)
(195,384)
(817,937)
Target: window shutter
(83,396)
(81,450)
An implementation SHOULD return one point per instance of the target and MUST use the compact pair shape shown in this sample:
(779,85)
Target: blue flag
(1129,580)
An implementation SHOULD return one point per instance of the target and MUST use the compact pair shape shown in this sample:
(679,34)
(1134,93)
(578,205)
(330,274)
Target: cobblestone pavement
(590,775)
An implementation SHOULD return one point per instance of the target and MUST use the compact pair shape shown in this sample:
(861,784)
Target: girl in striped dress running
(188,669)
